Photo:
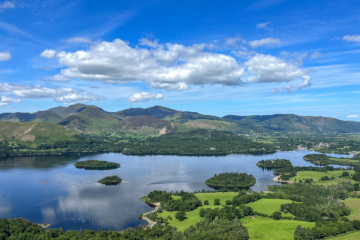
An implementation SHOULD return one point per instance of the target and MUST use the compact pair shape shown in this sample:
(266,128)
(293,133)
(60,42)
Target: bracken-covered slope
(146,125)
(36,133)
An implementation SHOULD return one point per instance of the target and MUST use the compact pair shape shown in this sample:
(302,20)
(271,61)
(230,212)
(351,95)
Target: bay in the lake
(49,189)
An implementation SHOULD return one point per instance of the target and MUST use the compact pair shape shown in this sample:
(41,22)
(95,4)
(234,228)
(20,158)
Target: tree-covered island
(231,180)
(318,159)
(274,163)
(96,165)
(110,180)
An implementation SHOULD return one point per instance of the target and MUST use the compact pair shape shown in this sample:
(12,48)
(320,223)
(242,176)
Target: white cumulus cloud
(268,69)
(78,97)
(117,62)
(353,116)
(144,97)
(6,101)
(48,53)
(78,40)
(351,38)
(176,67)
(66,95)
(5,5)
(4,56)
(170,86)
(58,78)
(270,42)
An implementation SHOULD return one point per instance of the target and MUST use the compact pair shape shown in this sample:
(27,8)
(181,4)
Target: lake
(49,189)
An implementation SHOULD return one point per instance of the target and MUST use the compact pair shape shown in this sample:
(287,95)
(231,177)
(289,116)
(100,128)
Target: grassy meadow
(349,236)
(316,176)
(270,229)
(269,206)
(258,227)
(354,204)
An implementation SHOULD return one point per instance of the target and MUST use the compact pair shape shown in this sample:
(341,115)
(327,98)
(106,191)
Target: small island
(111,180)
(96,165)
(274,163)
(318,159)
(231,180)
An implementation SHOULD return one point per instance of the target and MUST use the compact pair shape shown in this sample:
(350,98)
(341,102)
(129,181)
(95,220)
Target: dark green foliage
(312,194)
(231,180)
(274,163)
(219,229)
(199,142)
(325,178)
(22,229)
(140,216)
(188,201)
(206,202)
(246,197)
(356,187)
(228,202)
(323,230)
(217,201)
(111,180)
(276,216)
(181,215)
(96,164)
(318,159)
(345,174)
(224,213)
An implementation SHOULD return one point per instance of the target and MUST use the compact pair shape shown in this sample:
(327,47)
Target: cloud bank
(175,67)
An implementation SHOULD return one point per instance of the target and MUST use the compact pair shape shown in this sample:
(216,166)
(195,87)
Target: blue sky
(213,57)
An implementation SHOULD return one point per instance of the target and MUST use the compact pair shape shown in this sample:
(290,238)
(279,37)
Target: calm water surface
(72,199)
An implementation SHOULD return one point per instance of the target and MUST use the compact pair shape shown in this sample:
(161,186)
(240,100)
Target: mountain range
(158,120)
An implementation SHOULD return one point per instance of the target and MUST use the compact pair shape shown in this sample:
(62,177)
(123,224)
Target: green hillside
(47,116)
(146,125)
(88,120)
(35,133)
(294,123)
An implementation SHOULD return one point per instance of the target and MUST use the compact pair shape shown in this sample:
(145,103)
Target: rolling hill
(89,119)
(36,133)
(294,123)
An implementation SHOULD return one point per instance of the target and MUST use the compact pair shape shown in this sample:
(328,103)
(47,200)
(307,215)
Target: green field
(354,204)
(350,236)
(193,216)
(266,228)
(269,206)
(316,176)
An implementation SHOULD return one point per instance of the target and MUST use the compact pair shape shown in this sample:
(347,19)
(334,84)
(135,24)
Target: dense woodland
(231,180)
(96,165)
(199,142)
(188,201)
(15,229)
(274,163)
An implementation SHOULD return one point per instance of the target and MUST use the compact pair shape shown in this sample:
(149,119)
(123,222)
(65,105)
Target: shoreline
(276,179)
(150,222)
